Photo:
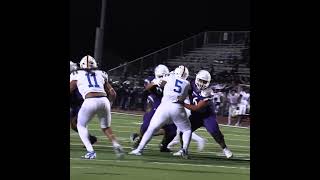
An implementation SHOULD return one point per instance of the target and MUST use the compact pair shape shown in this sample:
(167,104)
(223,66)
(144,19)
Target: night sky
(136,28)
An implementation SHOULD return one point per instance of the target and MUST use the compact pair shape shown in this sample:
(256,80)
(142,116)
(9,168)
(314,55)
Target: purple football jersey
(196,97)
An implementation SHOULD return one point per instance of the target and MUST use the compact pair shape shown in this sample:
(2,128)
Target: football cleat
(183,153)
(119,152)
(136,143)
(133,136)
(89,155)
(164,149)
(227,153)
(136,152)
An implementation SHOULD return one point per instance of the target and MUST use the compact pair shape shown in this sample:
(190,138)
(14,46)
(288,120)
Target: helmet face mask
(160,71)
(88,62)
(203,79)
(181,72)
(201,84)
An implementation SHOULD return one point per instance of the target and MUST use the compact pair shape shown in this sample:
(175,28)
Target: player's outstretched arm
(150,86)
(199,106)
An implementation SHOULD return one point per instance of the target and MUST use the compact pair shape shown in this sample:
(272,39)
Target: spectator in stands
(130,99)
(125,95)
(244,99)
(233,100)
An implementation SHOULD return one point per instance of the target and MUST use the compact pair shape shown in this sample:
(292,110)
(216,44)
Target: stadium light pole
(98,49)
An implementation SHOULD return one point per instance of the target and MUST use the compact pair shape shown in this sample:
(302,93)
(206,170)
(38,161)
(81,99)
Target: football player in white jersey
(175,87)
(76,101)
(233,99)
(93,86)
(153,101)
(244,102)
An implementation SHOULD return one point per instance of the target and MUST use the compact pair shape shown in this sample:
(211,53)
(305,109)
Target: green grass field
(154,165)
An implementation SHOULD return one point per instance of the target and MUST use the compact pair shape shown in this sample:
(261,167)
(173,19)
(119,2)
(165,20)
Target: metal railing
(145,65)
(227,37)
(176,49)
(128,78)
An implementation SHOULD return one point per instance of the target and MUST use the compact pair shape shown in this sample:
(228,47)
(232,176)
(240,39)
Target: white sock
(186,137)
(196,137)
(145,139)
(84,136)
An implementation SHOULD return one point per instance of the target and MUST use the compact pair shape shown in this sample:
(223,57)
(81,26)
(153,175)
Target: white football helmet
(160,71)
(182,72)
(203,79)
(73,66)
(88,62)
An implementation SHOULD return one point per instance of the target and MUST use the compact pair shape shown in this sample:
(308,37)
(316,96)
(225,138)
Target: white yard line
(158,140)
(162,163)
(131,132)
(81,167)
(129,147)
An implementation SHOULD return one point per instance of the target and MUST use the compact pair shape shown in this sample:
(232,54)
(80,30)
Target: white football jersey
(87,82)
(174,88)
(233,99)
(245,98)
